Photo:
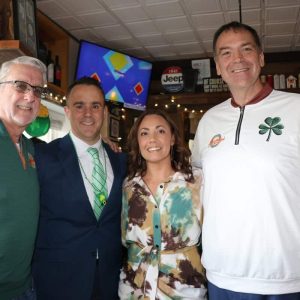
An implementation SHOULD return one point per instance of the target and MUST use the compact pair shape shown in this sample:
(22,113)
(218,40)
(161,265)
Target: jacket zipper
(239,125)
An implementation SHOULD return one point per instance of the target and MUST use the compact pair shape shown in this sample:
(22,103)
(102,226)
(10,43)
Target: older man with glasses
(21,87)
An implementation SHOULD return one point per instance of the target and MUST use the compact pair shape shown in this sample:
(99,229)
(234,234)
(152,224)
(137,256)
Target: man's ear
(67,111)
(105,111)
(261,59)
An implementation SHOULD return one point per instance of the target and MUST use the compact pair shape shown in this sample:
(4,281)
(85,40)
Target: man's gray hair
(23,60)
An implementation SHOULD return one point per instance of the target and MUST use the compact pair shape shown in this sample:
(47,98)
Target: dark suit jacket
(69,234)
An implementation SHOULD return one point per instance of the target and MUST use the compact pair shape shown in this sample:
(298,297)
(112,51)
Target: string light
(52,96)
(179,106)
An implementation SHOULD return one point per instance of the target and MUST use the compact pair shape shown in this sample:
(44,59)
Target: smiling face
(155,139)
(18,109)
(86,110)
(239,60)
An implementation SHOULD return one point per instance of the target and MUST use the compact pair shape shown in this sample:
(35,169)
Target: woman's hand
(113,145)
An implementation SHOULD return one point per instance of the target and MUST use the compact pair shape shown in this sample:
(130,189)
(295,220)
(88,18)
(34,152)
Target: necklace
(100,195)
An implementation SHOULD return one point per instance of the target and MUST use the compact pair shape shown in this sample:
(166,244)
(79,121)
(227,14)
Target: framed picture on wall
(6,20)
(25,24)
(114,129)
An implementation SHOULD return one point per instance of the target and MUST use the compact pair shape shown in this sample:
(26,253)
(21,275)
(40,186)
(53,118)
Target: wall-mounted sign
(24,12)
(214,85)
(172,79)
(203,67)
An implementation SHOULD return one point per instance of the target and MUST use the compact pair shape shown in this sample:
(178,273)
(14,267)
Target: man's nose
(29,95)
(238,55)
(87,110)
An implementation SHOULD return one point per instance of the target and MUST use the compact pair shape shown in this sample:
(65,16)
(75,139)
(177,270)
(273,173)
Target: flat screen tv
(124,79)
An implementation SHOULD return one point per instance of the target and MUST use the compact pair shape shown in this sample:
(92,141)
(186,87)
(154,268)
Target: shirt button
(155,206)
(156,226)
(157,246)
(161,186)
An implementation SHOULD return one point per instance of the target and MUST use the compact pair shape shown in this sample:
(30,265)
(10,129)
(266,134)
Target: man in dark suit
(78,253)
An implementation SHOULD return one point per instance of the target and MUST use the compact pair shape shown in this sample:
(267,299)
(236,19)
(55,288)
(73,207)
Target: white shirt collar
(81,146)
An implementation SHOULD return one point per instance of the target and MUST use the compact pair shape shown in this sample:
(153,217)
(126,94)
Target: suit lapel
(113,161)
(73,178)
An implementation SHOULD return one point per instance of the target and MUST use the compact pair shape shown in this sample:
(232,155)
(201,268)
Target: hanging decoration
(41,124)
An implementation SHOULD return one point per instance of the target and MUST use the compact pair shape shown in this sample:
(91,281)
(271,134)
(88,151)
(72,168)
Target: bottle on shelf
(50,68)
(270,80)
(291,82)
(276,82)
(282,82)
(42,52)
(57,72)
(263,78)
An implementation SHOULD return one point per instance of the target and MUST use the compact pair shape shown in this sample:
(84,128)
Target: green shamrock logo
(272,126)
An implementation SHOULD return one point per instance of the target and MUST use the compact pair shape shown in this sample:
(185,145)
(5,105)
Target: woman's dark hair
(180,154)
(236,26)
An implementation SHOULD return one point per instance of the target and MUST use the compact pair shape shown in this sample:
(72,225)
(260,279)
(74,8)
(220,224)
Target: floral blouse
(161,233)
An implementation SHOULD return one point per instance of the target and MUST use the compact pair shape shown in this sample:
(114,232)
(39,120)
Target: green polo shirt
(19,209)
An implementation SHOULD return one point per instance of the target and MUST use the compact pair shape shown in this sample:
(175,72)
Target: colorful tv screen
(124,79)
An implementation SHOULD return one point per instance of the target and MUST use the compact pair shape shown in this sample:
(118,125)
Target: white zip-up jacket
(251,163)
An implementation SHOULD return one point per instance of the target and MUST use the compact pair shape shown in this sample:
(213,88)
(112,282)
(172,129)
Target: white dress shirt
(86,165)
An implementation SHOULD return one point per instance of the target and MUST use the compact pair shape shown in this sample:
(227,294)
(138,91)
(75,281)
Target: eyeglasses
(24,87)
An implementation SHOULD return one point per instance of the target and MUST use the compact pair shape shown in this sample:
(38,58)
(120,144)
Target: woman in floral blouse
(161,215)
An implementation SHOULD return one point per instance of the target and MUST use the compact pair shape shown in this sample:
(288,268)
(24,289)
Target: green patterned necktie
(98,182)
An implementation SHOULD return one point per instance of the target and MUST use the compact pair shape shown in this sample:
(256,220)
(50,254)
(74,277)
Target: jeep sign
(171,79)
